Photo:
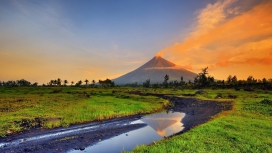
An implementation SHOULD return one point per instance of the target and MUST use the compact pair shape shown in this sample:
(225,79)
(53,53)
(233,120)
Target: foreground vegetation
(26,107)
(246,128)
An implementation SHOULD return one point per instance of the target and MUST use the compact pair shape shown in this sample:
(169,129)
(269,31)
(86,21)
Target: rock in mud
(27,150)
(82,148)
(218,96)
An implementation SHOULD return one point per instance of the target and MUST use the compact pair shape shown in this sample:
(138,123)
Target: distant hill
(155,70)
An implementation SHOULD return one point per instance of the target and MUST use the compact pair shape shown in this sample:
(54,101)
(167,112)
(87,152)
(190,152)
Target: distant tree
(16,83)
(55,82)
(112,84)
(175,83)
(93,83)
(35,84)
(210,81)
(250,80)
(155,85)
(182,82)
(65,82)
(229,79)
(264,81)
(201,80)
(146,84)
(234,79)
(72,83)
(52,82)
(59,81)
(79,83)
(165,82)
(86,81)
(22,82)
(106,83)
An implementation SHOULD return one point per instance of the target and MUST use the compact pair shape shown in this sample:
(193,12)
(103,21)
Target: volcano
(155,70)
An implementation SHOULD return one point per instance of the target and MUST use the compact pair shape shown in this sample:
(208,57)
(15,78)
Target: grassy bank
(246,128)
(20,107)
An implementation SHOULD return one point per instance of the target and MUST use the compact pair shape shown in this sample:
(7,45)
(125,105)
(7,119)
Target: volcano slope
(155,70)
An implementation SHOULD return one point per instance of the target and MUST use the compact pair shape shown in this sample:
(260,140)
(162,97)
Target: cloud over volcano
(228,34)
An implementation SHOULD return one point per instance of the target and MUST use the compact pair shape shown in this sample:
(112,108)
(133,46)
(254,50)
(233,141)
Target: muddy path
(78,137)
(197,111)
(64,139)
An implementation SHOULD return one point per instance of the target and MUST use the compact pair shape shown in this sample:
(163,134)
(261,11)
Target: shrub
(267,102)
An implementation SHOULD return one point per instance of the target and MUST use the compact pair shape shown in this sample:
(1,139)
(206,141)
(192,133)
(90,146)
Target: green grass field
(246,128)
(63,106)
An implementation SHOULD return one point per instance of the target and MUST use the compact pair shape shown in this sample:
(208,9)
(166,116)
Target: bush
(267,102)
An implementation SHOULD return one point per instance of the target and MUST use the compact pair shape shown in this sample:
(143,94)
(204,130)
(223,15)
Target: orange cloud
(242,39)
(161,54)
(265,60)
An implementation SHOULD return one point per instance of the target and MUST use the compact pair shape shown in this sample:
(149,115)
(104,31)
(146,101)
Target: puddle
(159,125)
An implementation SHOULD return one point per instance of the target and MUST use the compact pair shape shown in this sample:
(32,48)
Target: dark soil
(63,143)
(197,112)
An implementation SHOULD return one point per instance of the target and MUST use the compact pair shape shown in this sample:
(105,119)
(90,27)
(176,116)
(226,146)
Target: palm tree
(79,83)
(65,82)
(86,82)
(59,81)
(51,82)
(55,82)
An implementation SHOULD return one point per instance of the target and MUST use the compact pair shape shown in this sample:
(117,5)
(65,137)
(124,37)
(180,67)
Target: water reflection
(159,125)
(165,124)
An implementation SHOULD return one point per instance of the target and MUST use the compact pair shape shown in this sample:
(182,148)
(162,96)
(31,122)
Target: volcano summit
(155,70)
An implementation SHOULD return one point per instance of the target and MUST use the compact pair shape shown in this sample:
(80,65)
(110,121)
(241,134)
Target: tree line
(16,83)
(86,82)
(204,80)
(59,82)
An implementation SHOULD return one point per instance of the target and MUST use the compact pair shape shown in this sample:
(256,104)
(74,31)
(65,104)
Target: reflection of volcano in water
(164,122)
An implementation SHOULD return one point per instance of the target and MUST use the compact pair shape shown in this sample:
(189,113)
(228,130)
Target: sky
(99,39)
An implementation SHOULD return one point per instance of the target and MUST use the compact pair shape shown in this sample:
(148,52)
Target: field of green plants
(25,107)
